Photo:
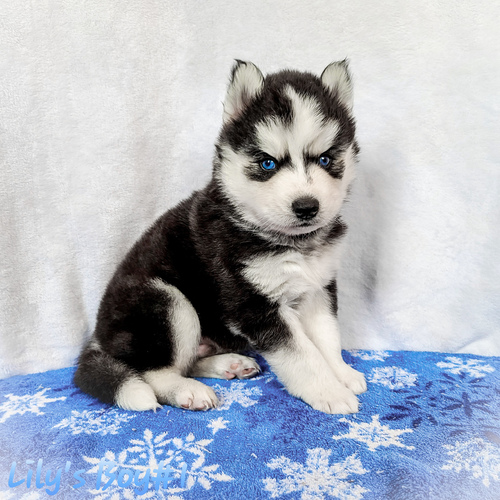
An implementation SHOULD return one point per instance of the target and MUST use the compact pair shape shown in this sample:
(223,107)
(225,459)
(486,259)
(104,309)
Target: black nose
(305,208)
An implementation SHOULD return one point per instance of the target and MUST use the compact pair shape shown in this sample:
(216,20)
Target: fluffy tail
(112,381)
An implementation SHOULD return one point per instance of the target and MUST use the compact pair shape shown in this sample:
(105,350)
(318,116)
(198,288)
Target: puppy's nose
(305,208)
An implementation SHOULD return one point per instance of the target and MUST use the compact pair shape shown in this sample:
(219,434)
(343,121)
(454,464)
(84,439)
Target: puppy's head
(286,152)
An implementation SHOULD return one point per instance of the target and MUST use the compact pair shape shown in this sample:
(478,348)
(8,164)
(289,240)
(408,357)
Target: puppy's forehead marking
(272,137)
(309,133)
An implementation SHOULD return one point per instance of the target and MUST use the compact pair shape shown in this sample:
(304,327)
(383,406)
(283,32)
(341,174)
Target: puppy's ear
(246,84)
(337,78)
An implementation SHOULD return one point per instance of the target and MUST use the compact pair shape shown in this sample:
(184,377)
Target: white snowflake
(477,456)
(374,434)
(370,355)
(393,377)
(14,495)
(216,424)
(114,492)
(147,453)
(474,367)
(22,404)
(316,479)
(237,392)
(95,422)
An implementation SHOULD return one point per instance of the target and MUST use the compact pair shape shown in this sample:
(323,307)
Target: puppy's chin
(296,230)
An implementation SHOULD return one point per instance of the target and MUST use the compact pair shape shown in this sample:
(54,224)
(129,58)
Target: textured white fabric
(108,115)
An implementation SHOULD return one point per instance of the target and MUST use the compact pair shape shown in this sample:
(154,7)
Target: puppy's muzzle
(305,208)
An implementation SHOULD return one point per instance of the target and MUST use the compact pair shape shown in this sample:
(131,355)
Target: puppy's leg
(172,388)
(170,384)
(321,326)
(304,371)
(227,366)
(159,341)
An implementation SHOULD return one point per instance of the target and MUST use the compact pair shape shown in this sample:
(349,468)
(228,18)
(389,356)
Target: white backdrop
(108,115)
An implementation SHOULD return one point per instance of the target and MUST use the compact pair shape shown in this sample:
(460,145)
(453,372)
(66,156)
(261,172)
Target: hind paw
(226,366)
(240,367)
(195,396)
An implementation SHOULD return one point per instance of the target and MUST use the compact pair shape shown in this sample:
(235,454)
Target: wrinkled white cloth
(108,115)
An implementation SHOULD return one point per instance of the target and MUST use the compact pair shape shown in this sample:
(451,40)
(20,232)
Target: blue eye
(268,164)
(324,161)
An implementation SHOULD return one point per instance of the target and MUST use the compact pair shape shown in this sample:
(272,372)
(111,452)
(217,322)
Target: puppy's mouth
(287,226)
(303,227)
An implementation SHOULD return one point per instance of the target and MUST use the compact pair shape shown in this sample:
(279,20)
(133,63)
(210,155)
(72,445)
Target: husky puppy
(249,262)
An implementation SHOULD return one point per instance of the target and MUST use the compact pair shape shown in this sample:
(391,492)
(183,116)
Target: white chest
(287,276)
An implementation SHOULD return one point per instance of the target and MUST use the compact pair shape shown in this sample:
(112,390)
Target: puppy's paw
(238,366)
(226,366)
(194,395)
(339,401)
(352,379)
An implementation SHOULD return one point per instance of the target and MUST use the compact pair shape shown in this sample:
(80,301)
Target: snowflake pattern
(473,367)
(374,434)
(147,453)
(29,403)
(428,427)
(416,407)
(370,355)
(475,456)
(393,377)
(316,479)
(237,392)
(216,424)
(95,422)
(467,405)
(14,495)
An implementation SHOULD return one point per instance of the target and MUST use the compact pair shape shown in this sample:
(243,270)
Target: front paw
(352,379)
(336,401)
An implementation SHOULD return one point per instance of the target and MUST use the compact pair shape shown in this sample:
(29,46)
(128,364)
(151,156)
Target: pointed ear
(246,83)
(337,78)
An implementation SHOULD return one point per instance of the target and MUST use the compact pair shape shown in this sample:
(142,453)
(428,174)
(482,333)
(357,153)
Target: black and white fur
(248,262)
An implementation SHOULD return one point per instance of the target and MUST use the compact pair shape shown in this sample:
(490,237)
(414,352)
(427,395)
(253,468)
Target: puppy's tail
(112,381)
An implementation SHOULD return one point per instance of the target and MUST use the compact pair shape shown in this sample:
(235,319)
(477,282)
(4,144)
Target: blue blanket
(428,428)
